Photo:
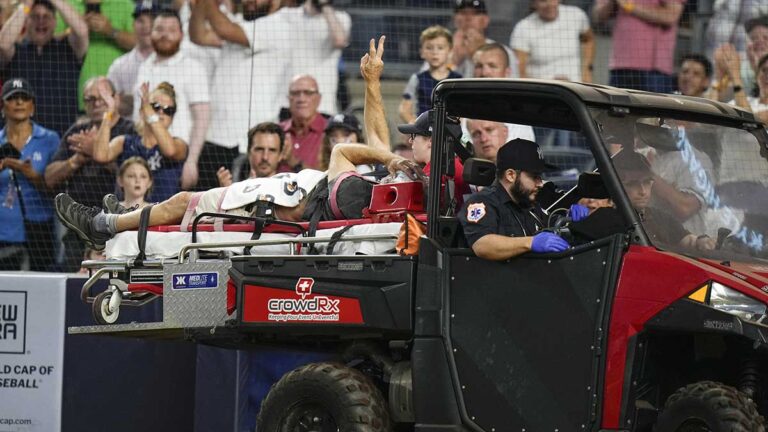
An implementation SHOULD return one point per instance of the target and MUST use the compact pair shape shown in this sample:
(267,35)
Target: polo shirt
(313,53)
(189,81)
(37,204)
(641,45)
(93,180)
(420,87)
(102,50)
(492,211)
(250,84)
(306,147)
(124,71)
(52,73)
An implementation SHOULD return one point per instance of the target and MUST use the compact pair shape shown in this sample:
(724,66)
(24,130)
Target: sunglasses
(414,135)
(167,110)
(19,96)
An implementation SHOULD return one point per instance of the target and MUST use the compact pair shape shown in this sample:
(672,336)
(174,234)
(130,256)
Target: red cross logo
(304,286)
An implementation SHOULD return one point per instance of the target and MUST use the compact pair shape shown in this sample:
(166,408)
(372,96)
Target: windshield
(700,189)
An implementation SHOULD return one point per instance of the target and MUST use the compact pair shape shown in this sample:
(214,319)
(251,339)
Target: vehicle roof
(596,94)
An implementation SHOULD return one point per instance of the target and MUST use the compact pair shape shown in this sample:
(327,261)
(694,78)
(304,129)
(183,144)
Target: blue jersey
(166,173)
(420,87)
(37,205)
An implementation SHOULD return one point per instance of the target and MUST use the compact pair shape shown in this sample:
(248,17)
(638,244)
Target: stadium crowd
(144,100)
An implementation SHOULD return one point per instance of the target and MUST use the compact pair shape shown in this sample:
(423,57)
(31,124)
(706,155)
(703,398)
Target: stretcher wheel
(101,312)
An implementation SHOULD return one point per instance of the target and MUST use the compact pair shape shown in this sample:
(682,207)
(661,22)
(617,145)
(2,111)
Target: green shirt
(102,50)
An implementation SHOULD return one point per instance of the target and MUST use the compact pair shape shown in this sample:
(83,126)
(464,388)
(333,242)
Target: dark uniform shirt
(492,211)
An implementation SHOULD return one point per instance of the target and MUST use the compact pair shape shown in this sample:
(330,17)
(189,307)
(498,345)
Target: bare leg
(168,212)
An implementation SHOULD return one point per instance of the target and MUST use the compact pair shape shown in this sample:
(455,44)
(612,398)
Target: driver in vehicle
(504,220)
(638,180)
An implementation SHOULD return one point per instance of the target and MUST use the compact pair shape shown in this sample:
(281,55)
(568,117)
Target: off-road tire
(709,406)
(343,394)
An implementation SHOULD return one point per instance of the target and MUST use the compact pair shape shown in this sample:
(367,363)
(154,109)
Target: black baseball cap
(422,126)
(146,7)
(344,121)
(477,5)
(591,185)
(630,160)
(15,86)
(524,155)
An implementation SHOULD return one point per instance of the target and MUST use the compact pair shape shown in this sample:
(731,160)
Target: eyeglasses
(297,93)
(19,96)
(167,110)
(91,100)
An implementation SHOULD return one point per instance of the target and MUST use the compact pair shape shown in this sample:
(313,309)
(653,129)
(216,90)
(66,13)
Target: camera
(318,4)
(9,151)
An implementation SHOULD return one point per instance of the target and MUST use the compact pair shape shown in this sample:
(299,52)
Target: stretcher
(190,267)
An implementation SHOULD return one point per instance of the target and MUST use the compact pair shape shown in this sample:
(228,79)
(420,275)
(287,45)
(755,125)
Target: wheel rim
(694,425)
(308,417)
(109,317)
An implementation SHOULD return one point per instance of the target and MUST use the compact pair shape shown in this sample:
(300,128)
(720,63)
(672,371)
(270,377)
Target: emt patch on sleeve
(475,212)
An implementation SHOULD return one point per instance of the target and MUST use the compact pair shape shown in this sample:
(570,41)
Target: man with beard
(125,69)
(73,166)
(503,221)
(251,75)
(266,141)
(190,82)
(50,64)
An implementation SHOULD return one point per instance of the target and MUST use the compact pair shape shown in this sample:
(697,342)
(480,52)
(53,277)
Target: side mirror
(479,172)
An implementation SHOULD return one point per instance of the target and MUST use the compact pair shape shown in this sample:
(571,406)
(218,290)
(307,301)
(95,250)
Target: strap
(450,189)
(142,237)
(335,237)
(187,219)
(218,223)
(332,198)
(258,228)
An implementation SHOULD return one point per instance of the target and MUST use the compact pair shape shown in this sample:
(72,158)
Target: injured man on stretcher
(338,193)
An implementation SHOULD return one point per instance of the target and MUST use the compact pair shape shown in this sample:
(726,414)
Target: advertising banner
(31,351)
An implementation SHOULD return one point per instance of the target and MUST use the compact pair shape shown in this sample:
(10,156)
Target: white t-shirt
(207,56)
(189,80)
(312,53)
(124,70)
(553,48)
(250,83)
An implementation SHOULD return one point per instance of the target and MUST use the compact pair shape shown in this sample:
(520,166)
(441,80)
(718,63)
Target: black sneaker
(79,218)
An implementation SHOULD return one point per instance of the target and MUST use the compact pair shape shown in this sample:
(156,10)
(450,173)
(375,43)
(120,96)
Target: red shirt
(460,188)
(306,147)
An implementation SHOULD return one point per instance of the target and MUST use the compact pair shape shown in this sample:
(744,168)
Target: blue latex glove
(544,242)
(578,212)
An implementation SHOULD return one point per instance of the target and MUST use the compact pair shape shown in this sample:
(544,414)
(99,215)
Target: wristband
(628,7)
(109,115)
(703,236)
(114,33)
(737,88)
(25,9)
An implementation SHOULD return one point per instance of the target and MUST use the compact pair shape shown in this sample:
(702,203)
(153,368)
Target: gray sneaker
(79,218)
(112,205)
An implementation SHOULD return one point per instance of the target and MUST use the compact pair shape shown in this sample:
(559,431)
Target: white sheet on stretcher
(167,244)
